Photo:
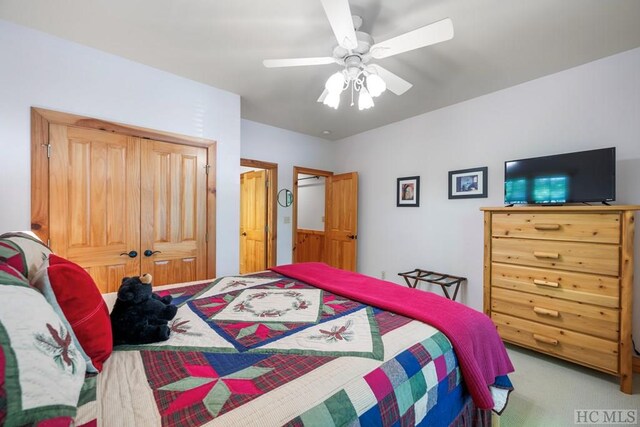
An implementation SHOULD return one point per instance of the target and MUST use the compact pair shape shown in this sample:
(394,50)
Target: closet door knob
(149,252)
(130,254)
(244,233)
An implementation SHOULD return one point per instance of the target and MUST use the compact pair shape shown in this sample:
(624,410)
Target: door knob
(352,236)
(130,254)
(149,252)
(244,234)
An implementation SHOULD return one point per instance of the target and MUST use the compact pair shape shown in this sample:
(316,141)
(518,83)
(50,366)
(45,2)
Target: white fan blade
(339,15)
(297,62)
(395,84)
(323,95)
(430,34)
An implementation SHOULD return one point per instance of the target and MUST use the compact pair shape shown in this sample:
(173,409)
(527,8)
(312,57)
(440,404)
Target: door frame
(272,205)
(40,149)
(294,233)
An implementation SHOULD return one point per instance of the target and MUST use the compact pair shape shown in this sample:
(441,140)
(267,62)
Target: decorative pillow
(33,252)
(11,254)
(75,297)
(41,370)
(11,276)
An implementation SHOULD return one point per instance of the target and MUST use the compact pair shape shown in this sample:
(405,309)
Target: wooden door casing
(253,221)
(296,237)
(95,202)
(173,212)
(271,170)
(91,138)
(342,220)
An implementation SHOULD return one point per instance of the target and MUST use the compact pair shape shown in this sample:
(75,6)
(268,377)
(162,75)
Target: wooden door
(173,212)
(253,221)
(342,220)
(94,202)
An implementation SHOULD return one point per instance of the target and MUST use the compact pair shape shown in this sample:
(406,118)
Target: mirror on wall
(285,198)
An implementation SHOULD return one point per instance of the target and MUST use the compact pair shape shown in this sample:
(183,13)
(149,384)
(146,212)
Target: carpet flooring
(548,390)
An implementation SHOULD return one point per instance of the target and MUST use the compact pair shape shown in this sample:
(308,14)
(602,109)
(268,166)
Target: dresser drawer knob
(551,255)
(545,227)
(546,283)
(546,312)
(545,340)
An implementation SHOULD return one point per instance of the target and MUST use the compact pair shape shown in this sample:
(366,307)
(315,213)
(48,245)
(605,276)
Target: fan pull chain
(352,103)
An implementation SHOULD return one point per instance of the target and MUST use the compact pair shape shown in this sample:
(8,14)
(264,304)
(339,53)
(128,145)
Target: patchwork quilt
(270,350)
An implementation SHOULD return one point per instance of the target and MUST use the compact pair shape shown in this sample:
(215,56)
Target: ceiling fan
(354,51)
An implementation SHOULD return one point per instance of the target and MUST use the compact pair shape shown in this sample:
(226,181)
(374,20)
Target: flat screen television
(585,176)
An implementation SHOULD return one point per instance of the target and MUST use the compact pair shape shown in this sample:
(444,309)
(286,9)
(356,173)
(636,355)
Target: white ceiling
(497,44)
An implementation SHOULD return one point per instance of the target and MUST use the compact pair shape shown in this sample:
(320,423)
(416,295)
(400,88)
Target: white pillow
(44,370)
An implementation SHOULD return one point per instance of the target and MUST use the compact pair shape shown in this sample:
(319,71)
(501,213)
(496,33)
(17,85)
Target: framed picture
(408,192)
(468,183)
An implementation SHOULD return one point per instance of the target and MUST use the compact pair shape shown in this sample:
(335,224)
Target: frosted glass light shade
(375,85)
(332,100)
(335,83)
(365,101)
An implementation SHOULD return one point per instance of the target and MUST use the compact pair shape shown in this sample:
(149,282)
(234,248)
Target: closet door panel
(173,213)
(95,202)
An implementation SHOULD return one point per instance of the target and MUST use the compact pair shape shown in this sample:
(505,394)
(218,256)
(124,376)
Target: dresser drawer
(580,257)
(579,287)
(595,352)
(596,228)
(590,319)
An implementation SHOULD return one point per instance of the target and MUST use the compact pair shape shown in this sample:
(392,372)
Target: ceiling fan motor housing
(365,41)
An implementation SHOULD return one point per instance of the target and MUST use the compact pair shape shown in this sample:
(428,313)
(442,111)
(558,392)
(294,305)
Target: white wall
(287,149)
(591,106)
(311,194)
(44,71)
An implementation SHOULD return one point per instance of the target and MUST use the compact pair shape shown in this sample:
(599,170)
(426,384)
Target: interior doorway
(310,217)
(325,226)
(258,214)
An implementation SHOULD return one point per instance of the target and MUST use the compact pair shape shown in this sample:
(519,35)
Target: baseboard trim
(636,364)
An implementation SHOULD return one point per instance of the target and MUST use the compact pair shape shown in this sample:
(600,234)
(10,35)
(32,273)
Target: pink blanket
(481,353)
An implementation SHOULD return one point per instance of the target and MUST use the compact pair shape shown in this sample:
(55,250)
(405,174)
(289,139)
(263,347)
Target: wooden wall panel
(310,246)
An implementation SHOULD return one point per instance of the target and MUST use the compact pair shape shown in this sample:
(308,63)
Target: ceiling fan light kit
(356,48)
(365,101)
(335,83)
(376,85)
(360,80)
(332,100)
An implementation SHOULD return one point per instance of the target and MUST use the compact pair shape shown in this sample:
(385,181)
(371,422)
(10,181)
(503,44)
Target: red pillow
(82,305)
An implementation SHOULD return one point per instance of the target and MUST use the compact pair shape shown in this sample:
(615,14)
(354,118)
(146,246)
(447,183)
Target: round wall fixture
(285,198)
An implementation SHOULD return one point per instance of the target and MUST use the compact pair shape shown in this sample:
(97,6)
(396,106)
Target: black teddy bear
(140,316)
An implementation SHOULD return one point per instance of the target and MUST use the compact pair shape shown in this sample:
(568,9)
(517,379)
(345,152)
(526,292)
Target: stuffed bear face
(134,291)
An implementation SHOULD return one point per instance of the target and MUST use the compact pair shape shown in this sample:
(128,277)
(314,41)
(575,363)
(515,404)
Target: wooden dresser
(559,280)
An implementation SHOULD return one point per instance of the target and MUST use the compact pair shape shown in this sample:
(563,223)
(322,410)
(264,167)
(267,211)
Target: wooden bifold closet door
(123,206)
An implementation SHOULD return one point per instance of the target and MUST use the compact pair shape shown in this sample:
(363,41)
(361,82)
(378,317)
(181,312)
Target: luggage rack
(444,280)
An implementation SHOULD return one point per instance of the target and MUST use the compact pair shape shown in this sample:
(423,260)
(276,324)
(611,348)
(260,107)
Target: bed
(300,345)
(304,345)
